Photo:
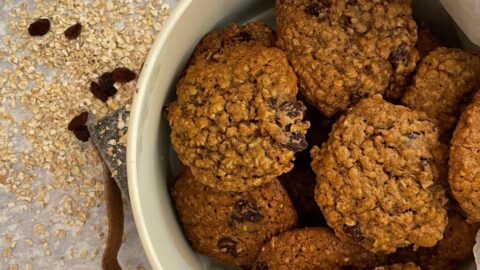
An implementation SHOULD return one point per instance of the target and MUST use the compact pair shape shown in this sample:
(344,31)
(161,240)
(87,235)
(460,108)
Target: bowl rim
(133,131)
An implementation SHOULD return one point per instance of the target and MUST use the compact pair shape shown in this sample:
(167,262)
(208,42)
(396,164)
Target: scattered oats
(47,82)
(61,233)
(7,252)
(39,229)
(83,254)
(13,267)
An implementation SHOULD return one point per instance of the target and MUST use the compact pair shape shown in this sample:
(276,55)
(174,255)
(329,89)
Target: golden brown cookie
(313,249)
(236,123)
(464,162)
(445,79)
(214,44)
(407,266)
(378,177)
(344,50)
(231,227)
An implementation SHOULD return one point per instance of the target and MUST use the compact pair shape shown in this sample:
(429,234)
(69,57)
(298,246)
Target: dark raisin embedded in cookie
(231,226)
(381,176)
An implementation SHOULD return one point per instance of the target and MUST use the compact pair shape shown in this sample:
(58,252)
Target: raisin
(78,121)
(123,75)
(111,91)
(228,246)
(245,211)
(313,10)
(354,232)
(399,55)
(82,133)
(352,2)
(296,142)
(39,28)
(355,97)
(413,135)
(261,266)
(345,21)
(98,92)
(73,31)
(272,101)
(243,37)
(317,9)
(293,109)
(106,82)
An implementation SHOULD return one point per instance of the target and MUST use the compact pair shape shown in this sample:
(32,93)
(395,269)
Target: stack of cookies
(348,139)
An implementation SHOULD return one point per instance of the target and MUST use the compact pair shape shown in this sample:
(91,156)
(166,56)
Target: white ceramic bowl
(151,163)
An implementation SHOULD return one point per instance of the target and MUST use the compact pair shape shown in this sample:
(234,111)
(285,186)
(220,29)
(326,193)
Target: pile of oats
(50,183)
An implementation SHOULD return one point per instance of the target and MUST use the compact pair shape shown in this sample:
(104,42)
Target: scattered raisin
(82,133)
(399,55)
(39,28)
(354,232)
(228,246)
(98,92)
(73,31)
(78,121)
(296,142)
(245,211)
(123,75)
(261,266)
(106,80)
(111,91)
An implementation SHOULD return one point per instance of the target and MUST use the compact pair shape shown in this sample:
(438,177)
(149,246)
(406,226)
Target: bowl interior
(152,163)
